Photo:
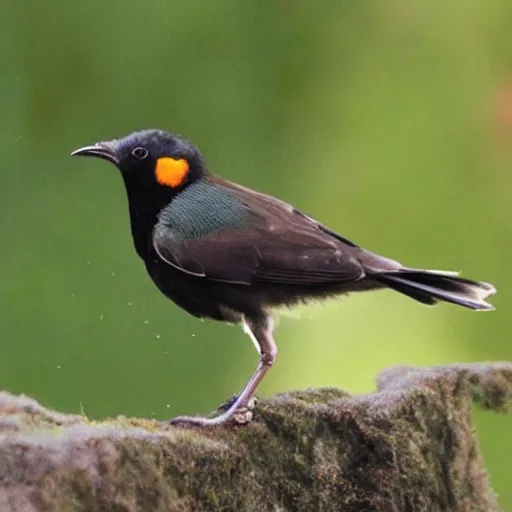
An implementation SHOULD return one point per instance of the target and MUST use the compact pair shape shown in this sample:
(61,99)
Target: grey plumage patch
(202,208)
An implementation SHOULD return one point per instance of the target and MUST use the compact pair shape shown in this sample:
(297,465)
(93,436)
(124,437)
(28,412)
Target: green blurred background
(391,121)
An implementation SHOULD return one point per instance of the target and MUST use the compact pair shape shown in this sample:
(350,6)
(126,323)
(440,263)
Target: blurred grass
(389,121)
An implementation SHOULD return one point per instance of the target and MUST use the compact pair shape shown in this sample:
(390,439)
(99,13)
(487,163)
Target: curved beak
(100,150)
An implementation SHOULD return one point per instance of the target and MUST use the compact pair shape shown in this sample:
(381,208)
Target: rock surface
(409,446)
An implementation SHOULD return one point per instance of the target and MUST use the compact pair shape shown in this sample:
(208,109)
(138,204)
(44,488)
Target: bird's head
(150,159)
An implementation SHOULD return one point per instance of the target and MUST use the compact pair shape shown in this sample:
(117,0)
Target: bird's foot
(230,414)
(243,414)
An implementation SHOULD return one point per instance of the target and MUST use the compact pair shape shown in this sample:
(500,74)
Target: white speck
(113,273)
(168,405)
(158,336)
(130,303)
(101,317)
(193,335)
(146,322)
(58,366)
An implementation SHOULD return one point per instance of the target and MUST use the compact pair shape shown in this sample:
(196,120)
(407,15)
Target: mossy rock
(409,446)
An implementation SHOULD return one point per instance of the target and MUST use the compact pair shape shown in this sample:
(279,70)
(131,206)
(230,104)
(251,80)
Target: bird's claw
(240,416)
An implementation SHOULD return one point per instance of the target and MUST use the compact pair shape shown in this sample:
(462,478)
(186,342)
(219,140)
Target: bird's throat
(144,209)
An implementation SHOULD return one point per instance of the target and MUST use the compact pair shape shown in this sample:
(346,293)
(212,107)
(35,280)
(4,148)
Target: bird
(224,252)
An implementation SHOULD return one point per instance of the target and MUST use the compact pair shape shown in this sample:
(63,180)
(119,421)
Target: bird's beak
(100,150)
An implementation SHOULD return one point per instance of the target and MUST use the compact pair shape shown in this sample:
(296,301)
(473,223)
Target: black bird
(222,251)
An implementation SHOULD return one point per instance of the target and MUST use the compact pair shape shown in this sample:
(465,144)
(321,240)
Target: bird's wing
(277,244)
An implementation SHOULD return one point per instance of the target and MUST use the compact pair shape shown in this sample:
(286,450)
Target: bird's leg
(260,332)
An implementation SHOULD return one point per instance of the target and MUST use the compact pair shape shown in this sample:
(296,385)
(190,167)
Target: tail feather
(431,286)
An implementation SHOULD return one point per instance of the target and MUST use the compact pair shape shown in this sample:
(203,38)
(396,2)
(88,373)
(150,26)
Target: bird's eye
(140,153)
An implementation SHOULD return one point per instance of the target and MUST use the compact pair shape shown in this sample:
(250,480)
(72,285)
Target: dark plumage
(221,251)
